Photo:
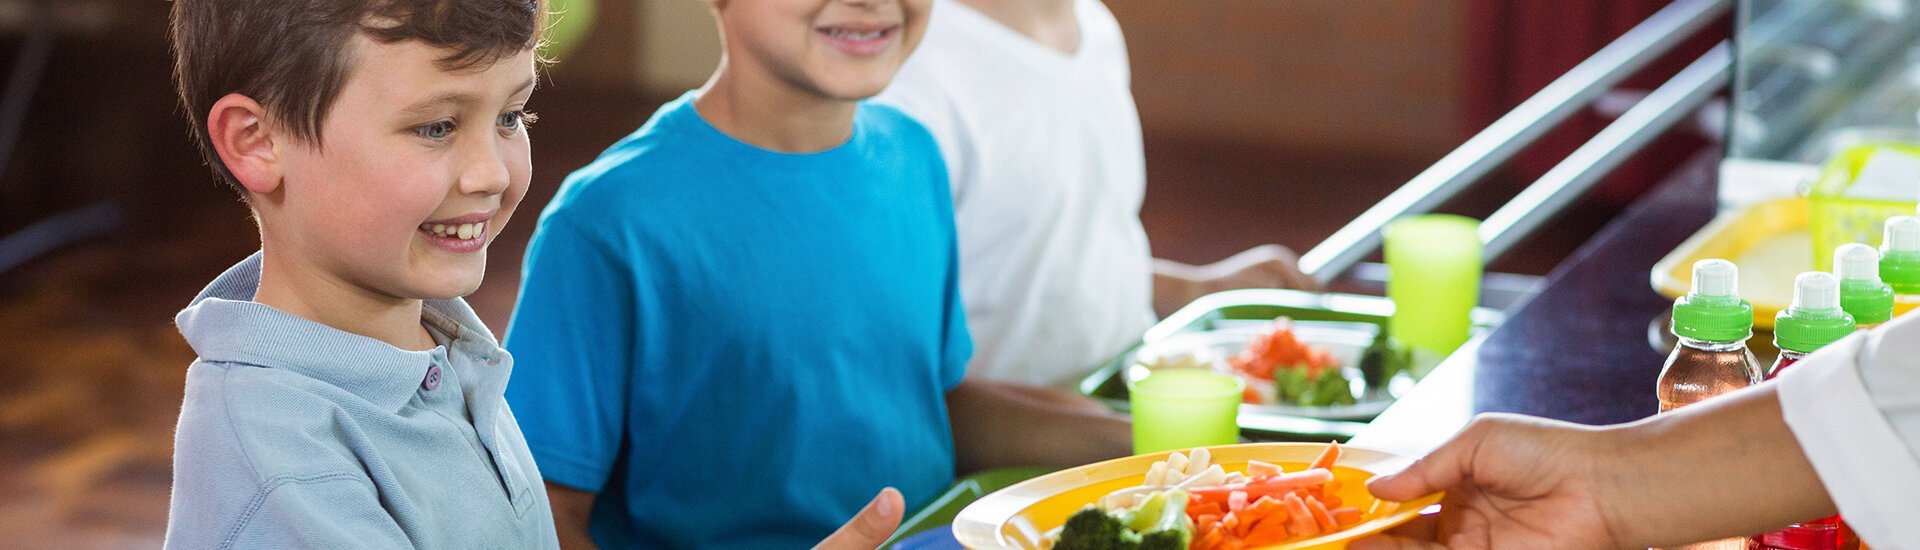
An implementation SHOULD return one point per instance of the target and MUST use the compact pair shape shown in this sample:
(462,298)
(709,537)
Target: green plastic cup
(1178,409)
(1433,264)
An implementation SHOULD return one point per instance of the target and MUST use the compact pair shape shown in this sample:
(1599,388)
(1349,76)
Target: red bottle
(1814,320)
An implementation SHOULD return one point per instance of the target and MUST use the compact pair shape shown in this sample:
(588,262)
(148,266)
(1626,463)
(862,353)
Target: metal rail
(1517,129)
(1648,119)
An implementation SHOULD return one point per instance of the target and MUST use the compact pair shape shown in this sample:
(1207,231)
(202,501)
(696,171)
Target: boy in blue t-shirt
(742,321)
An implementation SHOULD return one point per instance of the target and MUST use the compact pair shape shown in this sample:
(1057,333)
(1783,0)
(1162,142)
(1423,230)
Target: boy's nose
(485,172)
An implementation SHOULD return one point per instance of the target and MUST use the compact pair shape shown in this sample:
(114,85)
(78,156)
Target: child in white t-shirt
(1030,103)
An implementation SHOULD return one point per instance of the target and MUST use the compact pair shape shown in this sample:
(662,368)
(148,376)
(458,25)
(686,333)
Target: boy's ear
(238,127)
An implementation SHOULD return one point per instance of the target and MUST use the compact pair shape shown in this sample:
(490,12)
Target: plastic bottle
(1815,319)
(1900,259)
(1862,293)
(1713,325)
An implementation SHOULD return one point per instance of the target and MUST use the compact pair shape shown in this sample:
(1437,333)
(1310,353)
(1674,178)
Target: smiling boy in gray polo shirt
(345,396)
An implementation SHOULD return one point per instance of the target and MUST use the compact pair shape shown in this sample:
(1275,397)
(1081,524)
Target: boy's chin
(447,292)
(448,286)
(856,87)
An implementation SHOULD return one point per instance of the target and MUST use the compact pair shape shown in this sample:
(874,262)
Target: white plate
(1344,341)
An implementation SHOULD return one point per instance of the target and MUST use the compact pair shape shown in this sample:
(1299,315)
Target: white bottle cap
(1857,262)
(1902,234)
(1816,290)
(1715,277)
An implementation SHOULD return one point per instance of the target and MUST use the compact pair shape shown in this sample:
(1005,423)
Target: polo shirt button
(433,378)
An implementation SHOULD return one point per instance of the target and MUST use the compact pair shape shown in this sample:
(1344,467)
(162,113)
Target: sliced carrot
(1299,519)
(1331,501)
(1274,485)
(1242,525)
(1345,516)
(1327,457)
(1207,541)
(1230,523)
(1320,515)
(1205,508)
(1257,468)
(1269,530)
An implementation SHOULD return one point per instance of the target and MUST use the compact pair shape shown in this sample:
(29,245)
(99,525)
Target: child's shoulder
(889,126)
(275,422)
(663,151)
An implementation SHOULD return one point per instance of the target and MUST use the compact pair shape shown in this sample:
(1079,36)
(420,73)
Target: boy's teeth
(460,231)
(850,35)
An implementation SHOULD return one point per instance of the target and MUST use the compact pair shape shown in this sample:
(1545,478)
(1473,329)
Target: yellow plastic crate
(1834,219)
(1771,244)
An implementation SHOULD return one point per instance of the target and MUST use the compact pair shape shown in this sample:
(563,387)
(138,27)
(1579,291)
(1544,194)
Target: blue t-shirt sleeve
(956,341)
(571,339)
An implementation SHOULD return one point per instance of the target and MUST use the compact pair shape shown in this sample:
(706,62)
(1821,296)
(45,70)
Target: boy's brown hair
(291,55)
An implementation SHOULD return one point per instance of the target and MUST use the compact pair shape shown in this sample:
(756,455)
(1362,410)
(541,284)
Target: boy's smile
(861,39)
(835,49)
(459,234)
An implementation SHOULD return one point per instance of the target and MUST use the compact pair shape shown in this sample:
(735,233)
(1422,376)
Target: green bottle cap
(1868,300)
(1815,319)
(1713,311)
(1900,254)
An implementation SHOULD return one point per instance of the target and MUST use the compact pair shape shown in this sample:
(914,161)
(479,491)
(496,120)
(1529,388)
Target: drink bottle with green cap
(1814,319)
(1862,293)
(1713,324)
(1900,258)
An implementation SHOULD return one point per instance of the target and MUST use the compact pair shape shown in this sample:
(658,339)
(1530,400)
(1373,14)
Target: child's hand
(1512,483)
(871,527)
(1266,266)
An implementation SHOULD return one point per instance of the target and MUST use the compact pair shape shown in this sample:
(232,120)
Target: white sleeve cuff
(1867,468)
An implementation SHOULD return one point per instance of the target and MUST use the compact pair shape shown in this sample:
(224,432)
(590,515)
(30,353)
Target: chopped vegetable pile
(1188,503)
(1292,371)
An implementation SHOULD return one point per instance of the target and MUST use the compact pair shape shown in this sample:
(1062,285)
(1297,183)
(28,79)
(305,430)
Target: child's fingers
(1389,542)
(871,527)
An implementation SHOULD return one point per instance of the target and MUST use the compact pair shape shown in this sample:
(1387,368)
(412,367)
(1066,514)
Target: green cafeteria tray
(941,511)
(1225,308)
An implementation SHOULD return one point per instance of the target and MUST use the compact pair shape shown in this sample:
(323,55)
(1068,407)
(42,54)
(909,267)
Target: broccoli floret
(1092,528)
(1162,525)
(1172,539)
(1173,530)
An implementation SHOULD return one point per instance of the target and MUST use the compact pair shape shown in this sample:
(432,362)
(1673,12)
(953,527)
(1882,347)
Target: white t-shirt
(1044,155)
(1854,406)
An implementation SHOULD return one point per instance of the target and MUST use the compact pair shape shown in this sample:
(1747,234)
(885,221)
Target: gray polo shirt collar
(224,324)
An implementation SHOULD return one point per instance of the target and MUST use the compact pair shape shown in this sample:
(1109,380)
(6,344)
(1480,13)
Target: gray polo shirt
(294,434)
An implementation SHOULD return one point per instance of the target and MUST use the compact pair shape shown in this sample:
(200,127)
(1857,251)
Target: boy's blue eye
(513,120)
(437,130)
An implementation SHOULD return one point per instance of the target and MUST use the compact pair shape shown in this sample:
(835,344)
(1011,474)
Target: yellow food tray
(1770,243)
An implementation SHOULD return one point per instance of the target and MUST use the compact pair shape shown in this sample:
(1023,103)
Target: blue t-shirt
(738,348)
